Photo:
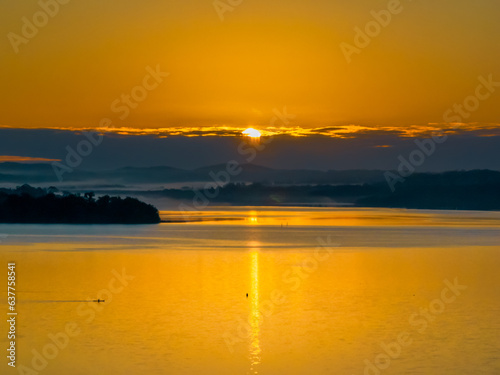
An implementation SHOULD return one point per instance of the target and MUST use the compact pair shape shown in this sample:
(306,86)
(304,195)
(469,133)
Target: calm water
(330,291)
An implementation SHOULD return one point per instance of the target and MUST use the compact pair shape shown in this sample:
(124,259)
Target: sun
(252,133)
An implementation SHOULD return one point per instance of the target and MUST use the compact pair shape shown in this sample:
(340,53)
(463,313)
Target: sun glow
(252,133)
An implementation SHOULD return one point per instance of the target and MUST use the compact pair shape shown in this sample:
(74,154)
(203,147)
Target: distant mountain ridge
(43,173)
(19,173)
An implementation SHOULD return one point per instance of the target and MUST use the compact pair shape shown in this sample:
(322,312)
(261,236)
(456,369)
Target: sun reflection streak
(254,313)
(253,218)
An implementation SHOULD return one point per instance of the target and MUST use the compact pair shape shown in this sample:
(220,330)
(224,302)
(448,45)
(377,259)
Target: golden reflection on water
(253,218)
(254,312)
(332,216)
(189,284)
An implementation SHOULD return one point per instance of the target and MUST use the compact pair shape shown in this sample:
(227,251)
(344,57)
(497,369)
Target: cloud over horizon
(464,149)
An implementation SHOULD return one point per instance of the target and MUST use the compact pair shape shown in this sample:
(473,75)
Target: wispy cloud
(337,131)
(24,159)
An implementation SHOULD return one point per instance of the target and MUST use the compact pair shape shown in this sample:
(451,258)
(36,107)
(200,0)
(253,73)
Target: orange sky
(263,55)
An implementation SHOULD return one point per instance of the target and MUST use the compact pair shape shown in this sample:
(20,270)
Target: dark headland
(28,205)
